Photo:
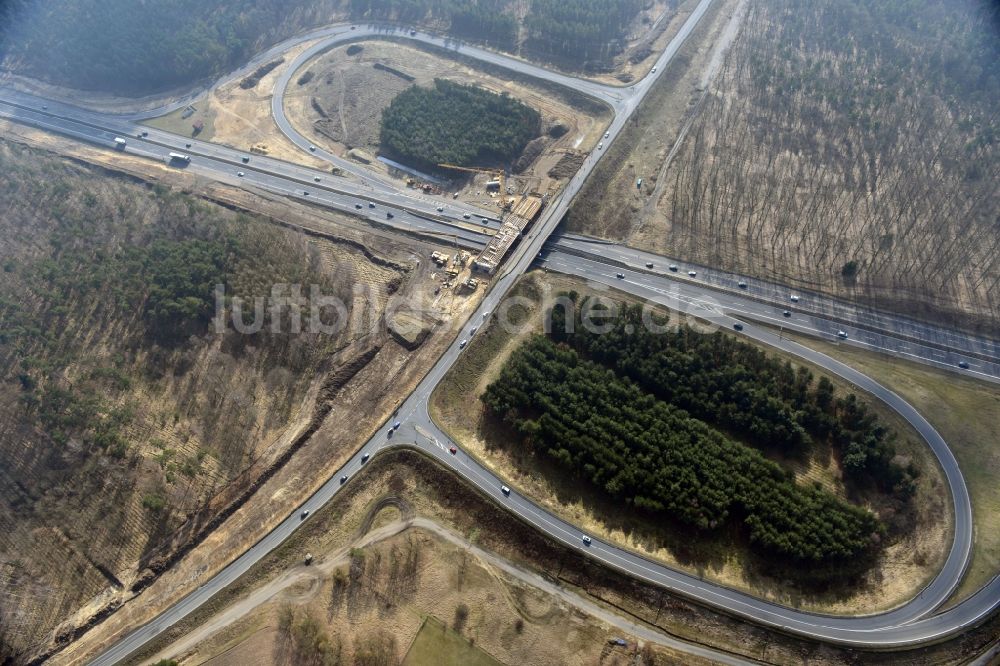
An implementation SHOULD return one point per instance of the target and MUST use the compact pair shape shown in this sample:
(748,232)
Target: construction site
(523,210)
(337,94)
(516,213)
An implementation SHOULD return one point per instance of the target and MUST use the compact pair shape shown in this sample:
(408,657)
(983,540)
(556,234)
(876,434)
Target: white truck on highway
(178,157)
(120,143)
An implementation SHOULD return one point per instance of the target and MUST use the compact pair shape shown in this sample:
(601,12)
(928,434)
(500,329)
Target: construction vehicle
(496,176)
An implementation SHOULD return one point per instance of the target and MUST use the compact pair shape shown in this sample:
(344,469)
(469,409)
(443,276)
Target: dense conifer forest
(456,124)
(681,423)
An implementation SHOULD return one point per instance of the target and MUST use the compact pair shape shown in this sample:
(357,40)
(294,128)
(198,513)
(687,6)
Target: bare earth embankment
(190,451)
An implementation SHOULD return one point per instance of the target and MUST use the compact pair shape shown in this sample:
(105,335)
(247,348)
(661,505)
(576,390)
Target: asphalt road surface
(915,622)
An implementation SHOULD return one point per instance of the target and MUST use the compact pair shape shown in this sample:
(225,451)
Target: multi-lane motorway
(710,294)
(773,304)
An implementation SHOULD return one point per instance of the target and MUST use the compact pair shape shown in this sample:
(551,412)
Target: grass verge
(966,412)
(908,563)
(176,123)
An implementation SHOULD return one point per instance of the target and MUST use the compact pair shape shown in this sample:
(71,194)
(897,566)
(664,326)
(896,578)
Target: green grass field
(437,645)
(173,122)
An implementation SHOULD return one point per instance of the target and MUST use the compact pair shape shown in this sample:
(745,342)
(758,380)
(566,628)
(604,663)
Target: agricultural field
(129,425)
(832,152)
(610,492)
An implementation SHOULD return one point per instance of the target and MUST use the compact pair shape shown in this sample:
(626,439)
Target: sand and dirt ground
(401,273)
(337,100)
(411,542)
(911,560)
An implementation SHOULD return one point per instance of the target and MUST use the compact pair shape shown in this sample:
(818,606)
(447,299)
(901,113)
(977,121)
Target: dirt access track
(338,98)
(407,539)
(347,402)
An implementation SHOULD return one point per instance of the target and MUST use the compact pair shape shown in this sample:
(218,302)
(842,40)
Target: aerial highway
(811,313)
(771,303)
(912,623)
(853,314)
(410,212)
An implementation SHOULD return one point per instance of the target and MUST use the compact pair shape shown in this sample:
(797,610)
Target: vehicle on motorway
(240,174)
(440,209)
(316,178)
(395,426)
(607,134)
(673,267)
(738,326)
(365,457)
(120,143)
(389,216)
(358,206)
(144,133)
(354,27)
(486,314)
(692,273)
(466,216)
(343,479)
(787,313)
(178,158)
(620,276)
(305,193)
(187,145)
(793,298)
(472,331)
(371,205)
(304,514)
(246,159)
(452,450)
(741,284)
(45,107)
(964,365)
(586,540)
(312,148)
(389,432)
(842,335)
(505,490)
(600,146)
(461,345)
(649,264)
(413,33)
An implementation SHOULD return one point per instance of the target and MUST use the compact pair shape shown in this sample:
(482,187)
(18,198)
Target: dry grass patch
(910,561)
(966,412)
